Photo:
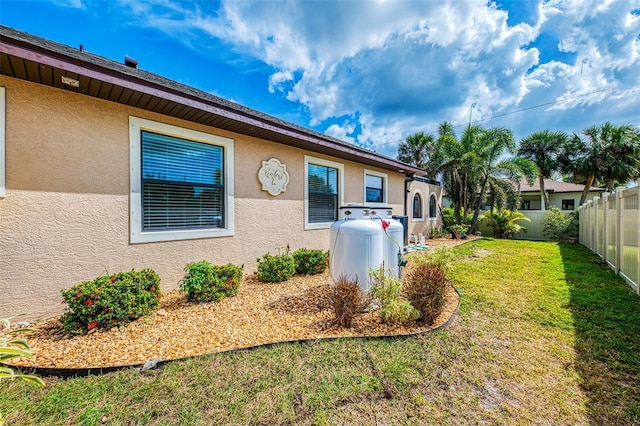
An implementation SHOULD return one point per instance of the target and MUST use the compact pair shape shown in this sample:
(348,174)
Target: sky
(374,72)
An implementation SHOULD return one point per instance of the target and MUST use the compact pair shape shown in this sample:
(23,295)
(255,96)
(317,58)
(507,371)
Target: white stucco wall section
(136,125)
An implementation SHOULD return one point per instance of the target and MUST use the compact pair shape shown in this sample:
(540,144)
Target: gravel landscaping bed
(261,313)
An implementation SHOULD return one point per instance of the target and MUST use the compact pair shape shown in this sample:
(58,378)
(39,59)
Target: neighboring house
(105,168)
(563,195)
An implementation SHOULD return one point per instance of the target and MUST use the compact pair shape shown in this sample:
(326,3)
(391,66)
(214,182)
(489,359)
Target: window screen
(568,205)
(323,193)
(182,184)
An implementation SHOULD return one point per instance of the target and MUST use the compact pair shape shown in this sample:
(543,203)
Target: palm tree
(543,148)
(491,165)
(607,153)
(505,223)
(472,164)
(415,150)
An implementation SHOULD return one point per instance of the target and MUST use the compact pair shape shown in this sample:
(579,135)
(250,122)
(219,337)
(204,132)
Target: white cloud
(76,4)
(395,68)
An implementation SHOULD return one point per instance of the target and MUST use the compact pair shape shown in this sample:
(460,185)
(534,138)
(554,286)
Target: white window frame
(385,185)
(3,111)
(417,219)
(327,163)
(432,194)
(137,235)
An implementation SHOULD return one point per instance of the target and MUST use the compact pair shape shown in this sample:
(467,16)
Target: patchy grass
(545,335)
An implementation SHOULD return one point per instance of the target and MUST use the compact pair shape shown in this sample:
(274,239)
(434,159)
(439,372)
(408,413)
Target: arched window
(417,206)
(432,206)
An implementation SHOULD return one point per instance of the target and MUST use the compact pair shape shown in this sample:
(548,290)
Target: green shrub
(110,300)
(309,261)
(449,218)
(204,282)
(275,268)
(14,347)
(559,225)
(346,300)
(438,233)
(459,232)
(424,285)
(394,307)
(505,222)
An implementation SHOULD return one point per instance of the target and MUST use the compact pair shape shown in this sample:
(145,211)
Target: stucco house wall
(65,215)
(426,218)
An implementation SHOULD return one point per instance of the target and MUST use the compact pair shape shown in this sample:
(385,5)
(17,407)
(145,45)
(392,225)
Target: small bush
(309,261)
(204,282)
(437,233)
(346,300)
(459,232)
(110,300)
(276,268)
(424,286)
(559,225)
(394,307)
(504,223)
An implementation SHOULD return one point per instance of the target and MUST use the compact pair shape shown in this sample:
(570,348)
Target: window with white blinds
(323,191)
(181,183)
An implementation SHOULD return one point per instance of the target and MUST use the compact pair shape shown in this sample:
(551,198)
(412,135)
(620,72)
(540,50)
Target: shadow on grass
(606,316)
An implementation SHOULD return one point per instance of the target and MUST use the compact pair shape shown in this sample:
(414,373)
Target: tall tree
(472,164)
(608,153)
(543,148)
(492,146)
(415,150)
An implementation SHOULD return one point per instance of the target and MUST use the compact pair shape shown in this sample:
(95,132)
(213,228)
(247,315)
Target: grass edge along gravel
(545,335)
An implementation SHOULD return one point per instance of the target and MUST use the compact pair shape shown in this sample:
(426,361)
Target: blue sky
(374,72)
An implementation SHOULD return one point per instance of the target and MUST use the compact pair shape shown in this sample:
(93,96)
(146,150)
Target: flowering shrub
(346,300)
(309,261)
(110,300)
(204,282)
(275,268)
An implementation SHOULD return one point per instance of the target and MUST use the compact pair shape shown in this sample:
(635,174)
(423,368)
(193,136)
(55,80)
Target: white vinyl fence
(610,226)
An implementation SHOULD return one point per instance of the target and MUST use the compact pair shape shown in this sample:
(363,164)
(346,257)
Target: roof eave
(132,80)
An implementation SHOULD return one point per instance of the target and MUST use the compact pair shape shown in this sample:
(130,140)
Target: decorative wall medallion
(273,176)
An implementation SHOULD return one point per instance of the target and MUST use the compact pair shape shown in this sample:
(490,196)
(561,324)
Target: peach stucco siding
(65,217)
(423,225)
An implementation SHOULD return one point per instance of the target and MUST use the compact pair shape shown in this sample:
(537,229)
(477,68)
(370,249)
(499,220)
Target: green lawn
(545,335)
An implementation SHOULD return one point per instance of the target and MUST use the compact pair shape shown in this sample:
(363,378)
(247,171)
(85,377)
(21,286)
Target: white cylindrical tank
(355,249)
